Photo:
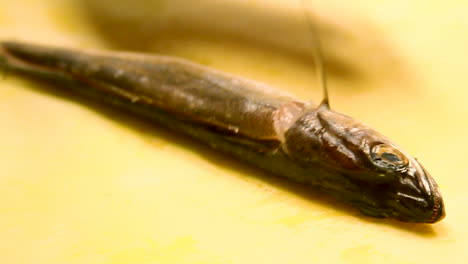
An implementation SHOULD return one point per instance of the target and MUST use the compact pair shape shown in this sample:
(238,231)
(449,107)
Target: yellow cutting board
(82,183)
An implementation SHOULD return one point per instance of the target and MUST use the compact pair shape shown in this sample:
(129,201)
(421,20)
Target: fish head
(384,179)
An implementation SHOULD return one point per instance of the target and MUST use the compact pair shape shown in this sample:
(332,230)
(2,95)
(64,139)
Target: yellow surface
(80,184)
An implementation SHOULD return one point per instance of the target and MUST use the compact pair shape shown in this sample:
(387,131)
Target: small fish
(307,143)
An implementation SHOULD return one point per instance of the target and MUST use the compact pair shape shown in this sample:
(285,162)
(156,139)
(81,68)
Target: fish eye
(387,157)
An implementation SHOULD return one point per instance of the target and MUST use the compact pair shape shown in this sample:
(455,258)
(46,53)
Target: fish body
(307,143)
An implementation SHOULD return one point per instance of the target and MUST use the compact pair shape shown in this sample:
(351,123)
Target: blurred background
(81,183)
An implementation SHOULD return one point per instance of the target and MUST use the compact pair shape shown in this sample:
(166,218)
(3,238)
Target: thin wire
(318,57)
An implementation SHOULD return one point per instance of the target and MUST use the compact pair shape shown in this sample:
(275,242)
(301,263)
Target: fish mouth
(438,211)
(438,208)
(418,198)
(434,195)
